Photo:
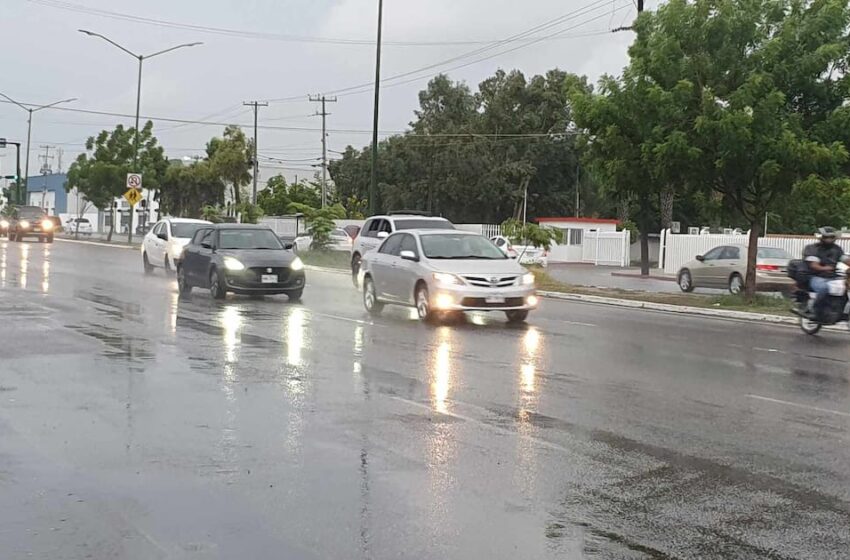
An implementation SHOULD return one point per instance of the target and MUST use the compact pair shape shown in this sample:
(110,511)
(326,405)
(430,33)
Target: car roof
(438,232)
(406,217)
(240,226)
(186,221)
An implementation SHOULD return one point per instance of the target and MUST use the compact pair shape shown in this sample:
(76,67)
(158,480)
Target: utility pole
(324,114)
(373,183)
(630,27)
(578,190)
(45,167)
(256,105)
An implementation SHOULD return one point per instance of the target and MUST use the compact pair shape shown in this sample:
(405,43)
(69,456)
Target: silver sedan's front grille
(490,281)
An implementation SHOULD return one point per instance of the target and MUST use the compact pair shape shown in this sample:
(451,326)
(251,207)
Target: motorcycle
(836,307)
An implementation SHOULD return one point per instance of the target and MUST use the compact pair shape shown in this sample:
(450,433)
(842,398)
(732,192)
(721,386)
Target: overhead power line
(79,8)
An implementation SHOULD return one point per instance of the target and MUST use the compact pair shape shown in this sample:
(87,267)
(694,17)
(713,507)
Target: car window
(773,253)
(196,239)
(499,241)
(731,253)
(184,230)
(207,237)
(386,226)
(714,254)
(415,223)
(157,229)
(460,246)
(370,229)
(392,245)
(248,239)
(408,243)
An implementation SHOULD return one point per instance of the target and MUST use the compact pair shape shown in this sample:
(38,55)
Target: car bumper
(246,282)
(468,298)
(769,282)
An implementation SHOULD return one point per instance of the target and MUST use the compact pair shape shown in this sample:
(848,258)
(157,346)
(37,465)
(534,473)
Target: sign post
(133,196)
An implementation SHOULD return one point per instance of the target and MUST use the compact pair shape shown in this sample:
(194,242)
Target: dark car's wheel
(370,297)
(355,270)
(49,238)
(183,285)
(517,315)
(736,284)
(686,282)
(423,304)
(295,295)
(218,289)
(146,264)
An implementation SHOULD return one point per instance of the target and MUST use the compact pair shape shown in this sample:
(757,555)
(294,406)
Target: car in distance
(444,271)
(726,267)
(79,225)
(240,258)
(163,244)
(378,228)
(30,221)
(340,240)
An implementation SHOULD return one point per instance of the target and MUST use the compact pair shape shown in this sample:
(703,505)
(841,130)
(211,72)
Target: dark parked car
(240,258)
(30,221)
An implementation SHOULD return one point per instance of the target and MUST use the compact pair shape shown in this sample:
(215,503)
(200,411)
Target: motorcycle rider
(821,259)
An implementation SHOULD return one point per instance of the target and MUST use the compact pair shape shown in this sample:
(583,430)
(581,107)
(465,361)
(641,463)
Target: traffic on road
(141,423)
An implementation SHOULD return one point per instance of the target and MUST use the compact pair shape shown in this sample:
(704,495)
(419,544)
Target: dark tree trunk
(668,196)
(752,251)
(111,225)
(644,220)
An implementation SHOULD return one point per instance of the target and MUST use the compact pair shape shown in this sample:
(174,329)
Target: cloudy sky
(277,50)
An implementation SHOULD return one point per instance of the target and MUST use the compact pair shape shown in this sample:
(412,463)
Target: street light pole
(373,184)
(141,58)
(30,109)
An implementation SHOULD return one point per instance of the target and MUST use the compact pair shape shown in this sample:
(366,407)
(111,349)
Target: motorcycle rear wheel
(809,327)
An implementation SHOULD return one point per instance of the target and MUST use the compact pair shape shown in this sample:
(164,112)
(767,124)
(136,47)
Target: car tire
(295,295)
(218,289)
(183,285)
(686,281)
(517,315)
(423,304)
(146,264)
(370,297)
(49,238)
(355,270)
(736,284)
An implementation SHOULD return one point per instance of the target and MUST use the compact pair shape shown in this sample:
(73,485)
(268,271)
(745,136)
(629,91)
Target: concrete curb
(96,243)
(683,309)
(639,277)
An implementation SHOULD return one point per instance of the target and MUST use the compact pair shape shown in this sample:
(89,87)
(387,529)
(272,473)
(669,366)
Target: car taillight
(767,267)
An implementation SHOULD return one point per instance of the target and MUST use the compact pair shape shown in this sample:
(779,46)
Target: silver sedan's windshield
(459,246)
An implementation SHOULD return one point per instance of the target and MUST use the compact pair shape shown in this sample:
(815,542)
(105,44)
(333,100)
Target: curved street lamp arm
(184,45)
(24,107)
(108,40)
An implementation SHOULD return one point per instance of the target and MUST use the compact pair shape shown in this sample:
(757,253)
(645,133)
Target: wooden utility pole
(324,114)
(256,105)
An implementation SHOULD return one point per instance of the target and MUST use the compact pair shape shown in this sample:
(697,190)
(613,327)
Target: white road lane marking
(798,405)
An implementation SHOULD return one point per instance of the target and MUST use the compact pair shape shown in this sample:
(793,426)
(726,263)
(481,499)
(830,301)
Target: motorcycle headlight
(297,264)
(46,224)
(233,264)
(447,279)
(24,224)
(527,279)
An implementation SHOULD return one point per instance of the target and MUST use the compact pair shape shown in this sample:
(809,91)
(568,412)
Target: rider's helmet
(827,233)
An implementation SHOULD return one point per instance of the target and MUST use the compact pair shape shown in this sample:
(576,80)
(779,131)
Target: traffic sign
(134,180)
(133,196)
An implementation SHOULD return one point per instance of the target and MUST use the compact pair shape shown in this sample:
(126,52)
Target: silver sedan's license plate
(268,278)
(494,299)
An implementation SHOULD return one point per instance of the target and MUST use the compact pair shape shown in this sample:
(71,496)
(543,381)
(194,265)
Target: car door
(196,259)
(160,245)
(150,246)
(728,263)
(703,274)
(405,273)
(206,250)
(381,264)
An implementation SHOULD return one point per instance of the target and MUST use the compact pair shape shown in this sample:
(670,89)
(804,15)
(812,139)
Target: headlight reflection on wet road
(442,370)
(45,271)
(25,263)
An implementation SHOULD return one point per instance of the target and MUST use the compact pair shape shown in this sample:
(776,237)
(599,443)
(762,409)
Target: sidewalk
(613,277)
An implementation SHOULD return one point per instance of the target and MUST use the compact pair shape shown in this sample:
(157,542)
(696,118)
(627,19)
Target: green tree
(187,190)
(529,234)
(231,159)
(100,173)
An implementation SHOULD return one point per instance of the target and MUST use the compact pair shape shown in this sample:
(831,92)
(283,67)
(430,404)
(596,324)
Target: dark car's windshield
(248,239)
(31,212)
(423,224)
(459,246)
(185,230)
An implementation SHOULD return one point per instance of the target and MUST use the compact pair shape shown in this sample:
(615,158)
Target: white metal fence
(609,248)
(677,249)
(487,230)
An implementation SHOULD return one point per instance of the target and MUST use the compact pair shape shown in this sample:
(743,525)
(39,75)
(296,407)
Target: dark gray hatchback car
(240,258)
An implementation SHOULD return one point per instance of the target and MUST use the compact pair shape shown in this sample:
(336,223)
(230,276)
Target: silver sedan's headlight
(527,279)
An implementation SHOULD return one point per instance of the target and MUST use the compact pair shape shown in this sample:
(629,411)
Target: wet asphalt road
(136,425)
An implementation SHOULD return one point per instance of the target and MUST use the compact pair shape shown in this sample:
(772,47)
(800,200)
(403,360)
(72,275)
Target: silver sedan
(445,271)
(726,267)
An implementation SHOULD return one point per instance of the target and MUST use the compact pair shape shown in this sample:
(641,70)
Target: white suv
(378,228)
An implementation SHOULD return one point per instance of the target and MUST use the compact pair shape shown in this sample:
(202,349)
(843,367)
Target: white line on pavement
(96,243)
(797,405)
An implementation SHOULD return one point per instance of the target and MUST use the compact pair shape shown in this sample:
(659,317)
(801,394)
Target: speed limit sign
(134,181)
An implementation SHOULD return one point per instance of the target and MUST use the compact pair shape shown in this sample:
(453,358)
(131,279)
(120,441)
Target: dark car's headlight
(296,264)
(233,264)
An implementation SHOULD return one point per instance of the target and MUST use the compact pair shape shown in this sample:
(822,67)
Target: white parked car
(340,241)
(527,254)
(163,244)
(81,225)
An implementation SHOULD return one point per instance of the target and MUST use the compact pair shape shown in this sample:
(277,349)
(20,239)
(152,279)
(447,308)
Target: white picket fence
(608,248)
(487,230)
(677,249)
